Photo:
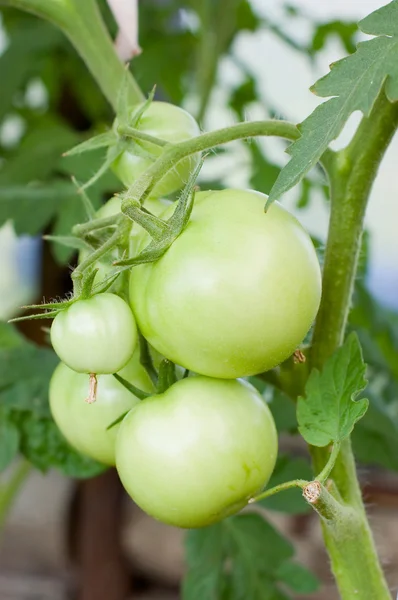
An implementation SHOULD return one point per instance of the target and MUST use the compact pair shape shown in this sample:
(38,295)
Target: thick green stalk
(10,489)
(354,559)
(81,21)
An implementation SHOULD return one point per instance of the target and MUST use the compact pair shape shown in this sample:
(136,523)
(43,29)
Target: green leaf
(241,558)
(32,207)
(354,82)
(204,555)
(375,437)
(9,336)
(20,60)
(256,546)
(289,501)
(328,412)
(345,30)
(44,446)
(298,578)
(9,440)
(38,153)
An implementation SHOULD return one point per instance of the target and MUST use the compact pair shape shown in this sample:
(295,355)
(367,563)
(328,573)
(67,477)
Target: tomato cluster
(233,296)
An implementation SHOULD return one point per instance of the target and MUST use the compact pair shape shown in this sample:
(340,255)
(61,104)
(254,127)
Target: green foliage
(26,425)
(328,412)
(289,501)
(354,82)
(242,557)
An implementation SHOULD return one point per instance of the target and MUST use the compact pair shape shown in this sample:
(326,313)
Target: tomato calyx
(163,233)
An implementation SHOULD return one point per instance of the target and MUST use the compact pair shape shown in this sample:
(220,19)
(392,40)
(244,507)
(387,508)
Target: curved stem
(10,490)
(324,474)
(352,176)
(173,153)
(82,22)
(301,483)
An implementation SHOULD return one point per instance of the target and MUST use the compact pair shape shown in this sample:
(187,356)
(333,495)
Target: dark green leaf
(204,554)
(9,440)
(289,501)
(32,207)
(43,445)
(375,436)
(328,412)
(354,82)
(256,546)
(298,578)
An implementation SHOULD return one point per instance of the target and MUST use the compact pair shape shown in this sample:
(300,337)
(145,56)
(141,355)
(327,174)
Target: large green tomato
(237,291)
(197,452)
(85,425)
(172,124)
(98,335)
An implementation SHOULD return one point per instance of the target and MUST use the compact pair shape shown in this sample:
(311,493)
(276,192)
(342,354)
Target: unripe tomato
(85,425)
(237,291)
(98,335)
(196,453)
(171,123)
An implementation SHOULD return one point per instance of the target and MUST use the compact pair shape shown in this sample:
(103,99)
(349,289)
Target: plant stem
(10,490)
(82,22)
(353,556)
(324,474)
(136,134)
(85,228)
(301,483)
(112,242)
(172,153)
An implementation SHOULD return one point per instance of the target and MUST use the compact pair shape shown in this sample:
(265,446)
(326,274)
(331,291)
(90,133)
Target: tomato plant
(197,452)
(244,302)
(84,425)
(169,123)
(224,282)
(97,335)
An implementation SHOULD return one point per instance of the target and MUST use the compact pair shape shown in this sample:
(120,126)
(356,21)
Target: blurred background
(224,61)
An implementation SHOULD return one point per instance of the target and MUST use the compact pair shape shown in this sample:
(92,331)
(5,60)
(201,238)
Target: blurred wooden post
(103,572)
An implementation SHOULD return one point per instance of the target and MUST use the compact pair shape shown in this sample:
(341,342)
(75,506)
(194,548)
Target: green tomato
(237,291)
(196,453)
(85,425)
(172,124)
(98,335)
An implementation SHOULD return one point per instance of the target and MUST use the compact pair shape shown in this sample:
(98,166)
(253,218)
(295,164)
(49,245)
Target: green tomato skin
(85,425)
(237,291)
(170,123)
(98,335)
(196,453)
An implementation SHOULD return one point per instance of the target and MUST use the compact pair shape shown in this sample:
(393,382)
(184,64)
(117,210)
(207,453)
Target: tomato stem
(300,483)
(354,559)
(324,474)
(173,153)
(82,23)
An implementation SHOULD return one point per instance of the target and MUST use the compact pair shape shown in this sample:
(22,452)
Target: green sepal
(103,140)
(70,241)
(167,375)
(173,227)
(132,388)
